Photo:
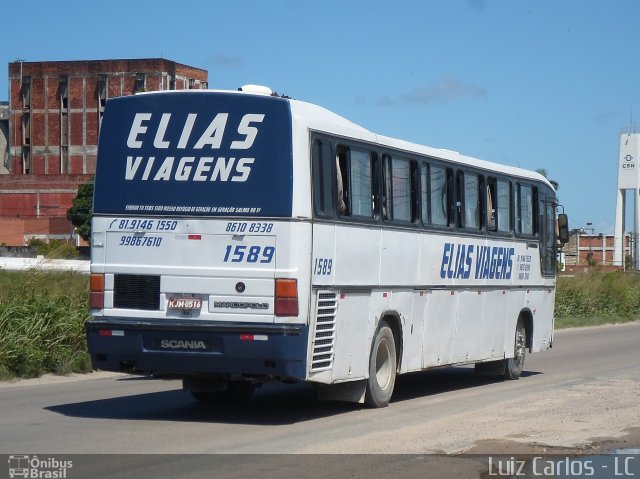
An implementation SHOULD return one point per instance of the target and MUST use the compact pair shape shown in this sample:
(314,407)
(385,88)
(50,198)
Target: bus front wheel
(382,367)
(513,366)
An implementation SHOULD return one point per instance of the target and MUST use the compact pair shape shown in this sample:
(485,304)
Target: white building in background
(628,179)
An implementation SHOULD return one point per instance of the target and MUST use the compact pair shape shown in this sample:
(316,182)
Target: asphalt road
(446,410)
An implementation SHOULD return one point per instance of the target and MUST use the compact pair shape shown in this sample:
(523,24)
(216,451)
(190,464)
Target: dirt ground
(599,445)
(580,418)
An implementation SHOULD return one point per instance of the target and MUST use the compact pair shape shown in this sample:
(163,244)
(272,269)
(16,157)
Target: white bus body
(240,238)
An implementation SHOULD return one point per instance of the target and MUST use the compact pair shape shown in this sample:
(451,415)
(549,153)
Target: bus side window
(415,188)
(361,183)
(424,193)
(549,237)
(492,224)
(355,179)
(386,187)
(439,195)
(399,189)
(342,181)
(525,210)
(459,206)
(376,196)
(503,209)
(472,202)
(323,196)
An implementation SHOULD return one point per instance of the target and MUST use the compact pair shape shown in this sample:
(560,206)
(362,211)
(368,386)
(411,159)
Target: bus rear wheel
(382,367)
(514,366)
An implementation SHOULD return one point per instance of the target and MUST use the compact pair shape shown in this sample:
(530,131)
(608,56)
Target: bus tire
(382,368)
(513,366)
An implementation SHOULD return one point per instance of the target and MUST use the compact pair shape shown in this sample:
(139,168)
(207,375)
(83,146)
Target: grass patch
(42,317)
(597,298)
(577,321)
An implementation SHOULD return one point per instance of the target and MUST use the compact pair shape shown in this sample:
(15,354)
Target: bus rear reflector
(96,286)
(254,337)
(97,300)
(111,332)
(96,282)
(286,297)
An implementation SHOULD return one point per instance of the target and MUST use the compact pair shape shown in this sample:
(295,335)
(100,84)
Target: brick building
(585,250)
(51,130)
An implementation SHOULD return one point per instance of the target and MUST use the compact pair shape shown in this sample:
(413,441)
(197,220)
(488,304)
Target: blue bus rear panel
(180,347)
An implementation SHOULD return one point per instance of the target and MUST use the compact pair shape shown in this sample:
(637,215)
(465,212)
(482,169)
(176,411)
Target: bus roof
(321,119)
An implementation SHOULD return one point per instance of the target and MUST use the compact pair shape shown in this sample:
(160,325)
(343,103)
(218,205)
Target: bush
(54,249)
(597,298)
(81,211)
(42,317)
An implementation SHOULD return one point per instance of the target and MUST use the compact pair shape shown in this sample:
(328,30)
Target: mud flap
(491,368)
(351,391)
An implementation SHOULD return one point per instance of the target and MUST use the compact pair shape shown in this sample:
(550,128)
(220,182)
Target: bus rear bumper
(198,348)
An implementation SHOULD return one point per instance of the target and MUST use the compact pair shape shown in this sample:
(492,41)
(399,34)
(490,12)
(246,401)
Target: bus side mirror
(563,229)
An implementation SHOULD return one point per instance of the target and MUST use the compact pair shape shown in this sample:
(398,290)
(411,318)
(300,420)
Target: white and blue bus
(244,237)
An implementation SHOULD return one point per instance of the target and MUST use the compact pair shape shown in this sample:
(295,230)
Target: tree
(544,173)
(81,210)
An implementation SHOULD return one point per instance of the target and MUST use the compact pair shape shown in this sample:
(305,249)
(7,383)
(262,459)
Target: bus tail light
(286,297)
(96,286)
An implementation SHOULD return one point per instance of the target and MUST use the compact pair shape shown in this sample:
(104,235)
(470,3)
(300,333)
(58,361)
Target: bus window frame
(548,223)
(418,164)
(424,193)
(316,185)
(510,233)
(449,207)
(387,157)
(534,207)
(346,144)
(481,203)
(372,165)
(460,194)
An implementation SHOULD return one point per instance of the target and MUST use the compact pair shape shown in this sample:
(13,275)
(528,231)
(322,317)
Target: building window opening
(139,85)
(64,93)
(26,161)
(26,129)
(26,93)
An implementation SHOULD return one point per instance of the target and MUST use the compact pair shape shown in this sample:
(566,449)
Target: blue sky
(537,84)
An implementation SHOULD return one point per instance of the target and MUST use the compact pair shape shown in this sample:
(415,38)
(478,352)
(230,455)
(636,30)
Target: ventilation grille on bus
(325,334)
(132,291)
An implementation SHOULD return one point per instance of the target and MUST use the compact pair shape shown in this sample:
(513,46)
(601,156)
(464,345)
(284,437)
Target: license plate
(184,303)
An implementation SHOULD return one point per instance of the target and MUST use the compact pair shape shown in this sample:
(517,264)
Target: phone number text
(143,241)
